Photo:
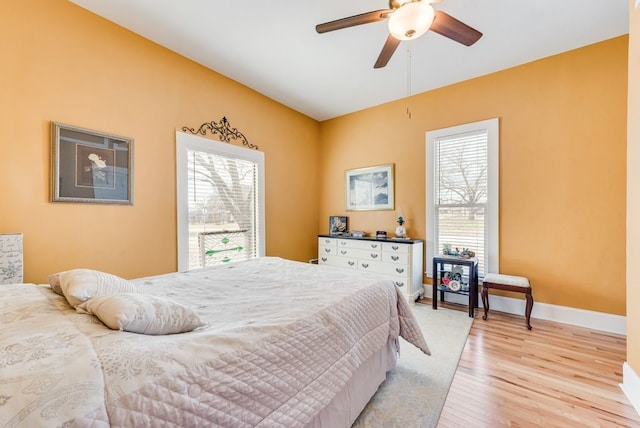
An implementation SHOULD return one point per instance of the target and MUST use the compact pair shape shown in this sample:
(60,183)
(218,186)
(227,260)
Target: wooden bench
(519,284)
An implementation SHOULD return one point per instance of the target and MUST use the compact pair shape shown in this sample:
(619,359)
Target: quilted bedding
(281,339)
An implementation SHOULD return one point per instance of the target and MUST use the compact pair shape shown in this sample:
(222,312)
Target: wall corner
(631,385)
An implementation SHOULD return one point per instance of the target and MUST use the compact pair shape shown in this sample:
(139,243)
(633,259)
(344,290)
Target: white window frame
(186,142)
(492,215)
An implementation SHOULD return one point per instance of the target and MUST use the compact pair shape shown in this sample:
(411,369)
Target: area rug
(414,393)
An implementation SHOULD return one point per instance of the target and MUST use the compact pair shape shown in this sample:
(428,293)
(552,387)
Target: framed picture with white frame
(370,188)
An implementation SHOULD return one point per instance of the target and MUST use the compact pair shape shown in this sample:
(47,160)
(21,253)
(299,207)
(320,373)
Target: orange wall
(633,192)
(562,167)
(60,62)
(562,154)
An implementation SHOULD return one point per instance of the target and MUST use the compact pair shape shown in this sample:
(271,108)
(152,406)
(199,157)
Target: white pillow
(142,313)
(54,283)
(80,285)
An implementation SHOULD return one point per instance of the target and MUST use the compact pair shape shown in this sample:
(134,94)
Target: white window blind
(222,209)
(462,191)
(220,204)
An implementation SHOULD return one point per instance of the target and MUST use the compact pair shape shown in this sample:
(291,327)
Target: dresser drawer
(394,247)
(324,250)
(384,268)
(360,254)
(400,282)
(343,262)
(327,242)
(397,258)
(361,245)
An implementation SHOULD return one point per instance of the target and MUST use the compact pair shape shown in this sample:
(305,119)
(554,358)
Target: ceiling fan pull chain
(408,78)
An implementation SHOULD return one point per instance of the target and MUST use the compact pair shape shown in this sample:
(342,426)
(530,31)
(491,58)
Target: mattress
(281,341)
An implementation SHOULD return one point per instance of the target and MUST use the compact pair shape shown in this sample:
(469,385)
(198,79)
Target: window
(462,192)
(220,201)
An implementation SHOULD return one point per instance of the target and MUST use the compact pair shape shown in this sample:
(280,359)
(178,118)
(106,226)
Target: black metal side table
(439,264)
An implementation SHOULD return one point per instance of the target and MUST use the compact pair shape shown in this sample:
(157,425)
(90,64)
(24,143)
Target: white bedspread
(281,339)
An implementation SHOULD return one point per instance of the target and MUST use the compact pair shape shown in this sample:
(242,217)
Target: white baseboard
(631,386)
(563,314)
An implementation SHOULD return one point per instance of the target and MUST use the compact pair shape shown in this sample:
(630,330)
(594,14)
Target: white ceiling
(272,46)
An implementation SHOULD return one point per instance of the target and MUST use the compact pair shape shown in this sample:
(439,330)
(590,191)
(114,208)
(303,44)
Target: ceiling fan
(408,19)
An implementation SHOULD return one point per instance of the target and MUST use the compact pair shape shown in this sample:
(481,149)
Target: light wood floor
(555,375)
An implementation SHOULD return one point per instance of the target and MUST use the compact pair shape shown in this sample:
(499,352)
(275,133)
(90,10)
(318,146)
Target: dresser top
(372,238)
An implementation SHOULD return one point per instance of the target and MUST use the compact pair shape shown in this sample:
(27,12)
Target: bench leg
(485,301)
(529,307)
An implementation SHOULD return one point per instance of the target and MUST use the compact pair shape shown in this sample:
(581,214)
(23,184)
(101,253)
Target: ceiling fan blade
(388,49)
(448,26)
(352,21)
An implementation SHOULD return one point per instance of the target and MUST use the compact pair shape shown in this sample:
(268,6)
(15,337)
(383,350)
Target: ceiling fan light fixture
(395,4)
(411,20)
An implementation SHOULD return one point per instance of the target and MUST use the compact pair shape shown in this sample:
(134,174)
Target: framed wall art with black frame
(370,188)
(90,166)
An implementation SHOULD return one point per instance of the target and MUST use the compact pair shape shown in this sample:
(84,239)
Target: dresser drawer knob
(327,241)
(324,259)
(399,270)
(374,245)
(395,258)
(399,284)
(343,252)
(351,263)
(343,242)
(327,250)
(395,247)
(365,265)
(374,256)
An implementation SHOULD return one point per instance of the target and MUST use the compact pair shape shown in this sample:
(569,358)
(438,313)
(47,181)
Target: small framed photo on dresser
(338,225)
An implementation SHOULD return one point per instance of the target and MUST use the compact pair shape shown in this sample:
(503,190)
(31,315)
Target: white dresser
(10,258)
(399,259)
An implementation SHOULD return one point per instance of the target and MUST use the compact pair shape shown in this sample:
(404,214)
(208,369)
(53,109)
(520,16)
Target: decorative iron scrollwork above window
(224,130)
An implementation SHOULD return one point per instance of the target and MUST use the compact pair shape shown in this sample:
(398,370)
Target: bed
(273,343)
